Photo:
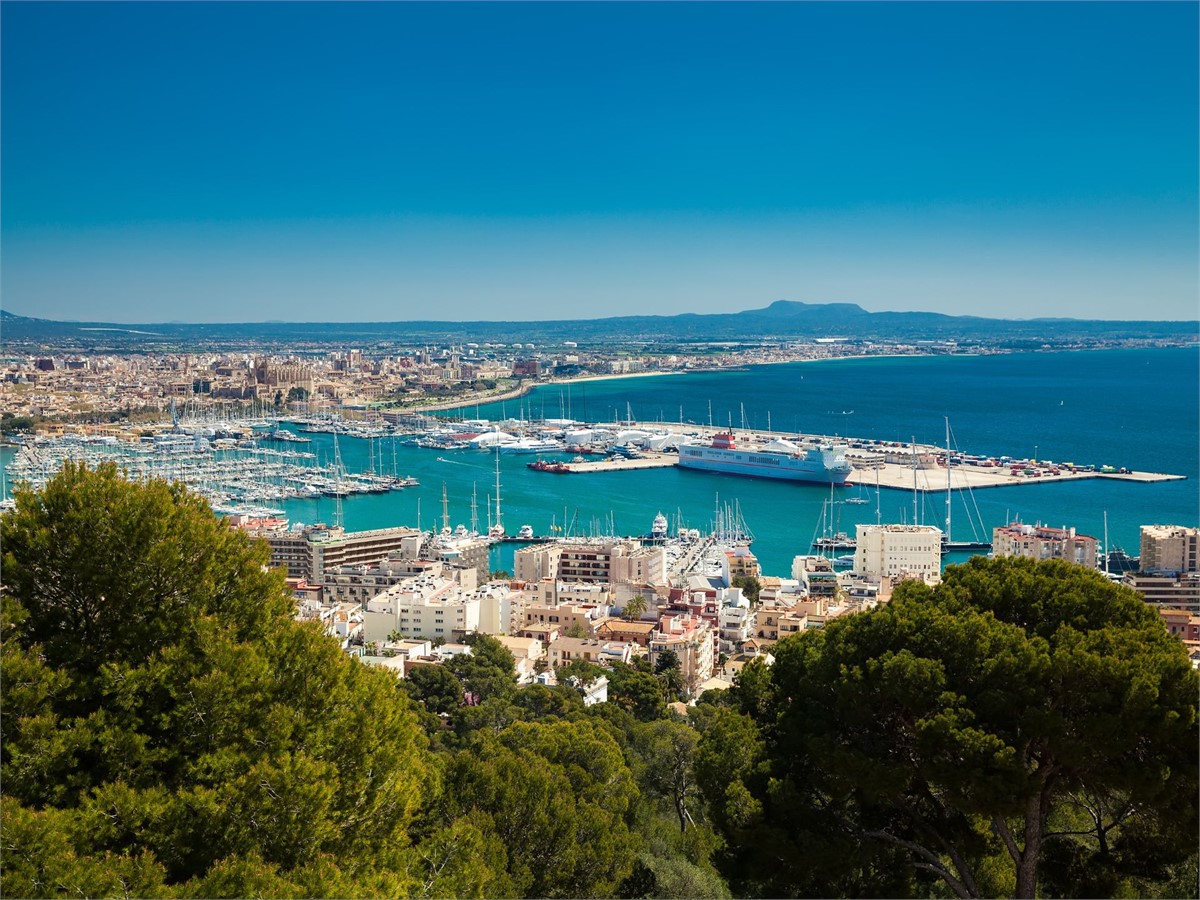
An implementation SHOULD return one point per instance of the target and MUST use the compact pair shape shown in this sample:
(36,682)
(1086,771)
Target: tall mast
(340,474)
(1106,554)
(948,478)
(499,517)
(474,511)
(878,512)
(445,509)
(914,457)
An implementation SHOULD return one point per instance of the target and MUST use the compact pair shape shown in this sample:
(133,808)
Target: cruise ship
(776,459)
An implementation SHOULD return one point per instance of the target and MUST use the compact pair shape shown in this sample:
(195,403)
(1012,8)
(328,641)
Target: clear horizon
(317,162)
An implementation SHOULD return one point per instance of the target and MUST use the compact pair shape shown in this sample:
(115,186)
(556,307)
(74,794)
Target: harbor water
(1137,409)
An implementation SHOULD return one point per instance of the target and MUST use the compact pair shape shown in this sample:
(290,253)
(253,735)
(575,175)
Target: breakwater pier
(925,468)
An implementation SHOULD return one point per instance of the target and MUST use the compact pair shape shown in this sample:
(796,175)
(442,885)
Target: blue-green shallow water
(1133,408)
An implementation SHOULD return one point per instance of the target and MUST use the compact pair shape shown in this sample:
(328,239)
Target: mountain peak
(793,308)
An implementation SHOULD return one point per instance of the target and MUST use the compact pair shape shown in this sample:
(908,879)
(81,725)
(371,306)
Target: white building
(422,607)
(1170,548)
(1042,542)
(501,609)
(899,551)
(736,627)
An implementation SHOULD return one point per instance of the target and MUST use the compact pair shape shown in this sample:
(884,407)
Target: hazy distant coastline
(781,321)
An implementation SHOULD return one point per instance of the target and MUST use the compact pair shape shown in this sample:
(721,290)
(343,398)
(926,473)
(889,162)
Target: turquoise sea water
(1132,408)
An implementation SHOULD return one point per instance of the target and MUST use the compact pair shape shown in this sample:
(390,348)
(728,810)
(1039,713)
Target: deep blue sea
(1132,408)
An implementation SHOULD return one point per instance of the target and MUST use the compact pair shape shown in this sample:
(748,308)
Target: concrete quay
(869,468)
(648,460)
(933,480)
(894,476)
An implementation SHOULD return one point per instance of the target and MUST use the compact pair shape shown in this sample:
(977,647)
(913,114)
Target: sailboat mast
(1106,553)
(499,518)
(340,474)
(914,460)
(878,512)
(947,478)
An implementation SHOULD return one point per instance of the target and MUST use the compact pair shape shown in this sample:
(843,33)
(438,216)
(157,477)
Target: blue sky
(378,161)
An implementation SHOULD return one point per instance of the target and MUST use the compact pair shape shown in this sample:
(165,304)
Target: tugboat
(557,468)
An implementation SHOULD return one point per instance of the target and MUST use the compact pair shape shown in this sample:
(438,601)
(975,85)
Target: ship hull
(762,465)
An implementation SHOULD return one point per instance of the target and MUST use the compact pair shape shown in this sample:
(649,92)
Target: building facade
(1041,542)
(899,551)
(1169,548)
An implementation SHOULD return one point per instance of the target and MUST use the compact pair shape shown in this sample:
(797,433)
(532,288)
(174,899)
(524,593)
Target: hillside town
(402,598)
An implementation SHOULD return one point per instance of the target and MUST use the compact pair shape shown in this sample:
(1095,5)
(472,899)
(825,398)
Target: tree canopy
(1019,711)
(166,722)
(168,730)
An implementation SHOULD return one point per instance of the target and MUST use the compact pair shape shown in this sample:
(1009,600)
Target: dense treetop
(168,729)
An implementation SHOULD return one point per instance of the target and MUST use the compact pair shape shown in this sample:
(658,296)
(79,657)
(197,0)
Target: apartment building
(564,650)
(1169,548)
(313,551)
(690,637)
(501,608)
(1041,542)
(564,615)
(1180,591)
(424,608)
(362,582)
(613,562)
(737,562)
(461,551)
(815,575)
(899,551)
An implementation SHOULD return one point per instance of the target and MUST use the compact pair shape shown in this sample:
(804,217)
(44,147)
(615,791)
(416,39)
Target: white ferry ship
(776,459)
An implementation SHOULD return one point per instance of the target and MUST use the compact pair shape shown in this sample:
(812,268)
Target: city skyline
(391,162)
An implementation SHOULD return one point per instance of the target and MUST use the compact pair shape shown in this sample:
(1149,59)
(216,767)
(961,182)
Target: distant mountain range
(782,320)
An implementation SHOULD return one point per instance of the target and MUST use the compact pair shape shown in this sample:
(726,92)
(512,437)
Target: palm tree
(634,608)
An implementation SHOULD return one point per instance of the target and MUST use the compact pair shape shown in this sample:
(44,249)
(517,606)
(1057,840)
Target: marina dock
(648,460)
(933,481)
(888,464)
(894,476)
